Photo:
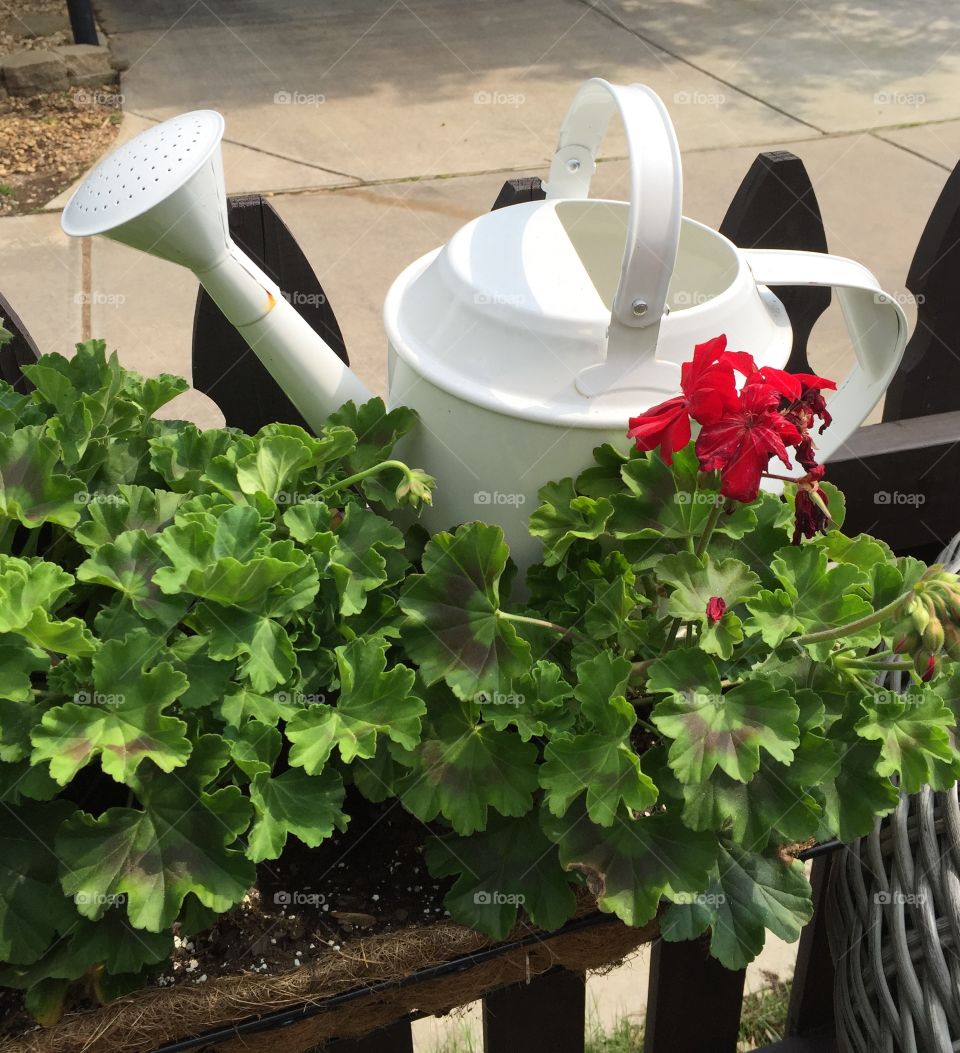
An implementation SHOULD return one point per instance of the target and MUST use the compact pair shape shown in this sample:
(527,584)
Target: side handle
(875,321)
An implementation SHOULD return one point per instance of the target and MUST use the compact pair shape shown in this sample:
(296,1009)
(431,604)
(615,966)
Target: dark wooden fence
(694,1004)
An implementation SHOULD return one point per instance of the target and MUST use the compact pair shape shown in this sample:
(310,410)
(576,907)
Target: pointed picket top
(927,381)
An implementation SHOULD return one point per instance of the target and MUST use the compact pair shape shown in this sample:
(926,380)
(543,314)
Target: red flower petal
(742,443)
(666,425)
(716,606)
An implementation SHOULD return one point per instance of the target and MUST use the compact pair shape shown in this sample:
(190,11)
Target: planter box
(427,969)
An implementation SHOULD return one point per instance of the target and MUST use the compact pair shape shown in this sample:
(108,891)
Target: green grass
(5,190)
(762,1021)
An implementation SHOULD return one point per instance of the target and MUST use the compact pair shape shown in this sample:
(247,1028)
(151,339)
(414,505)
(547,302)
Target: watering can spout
(304,365)
(163,193)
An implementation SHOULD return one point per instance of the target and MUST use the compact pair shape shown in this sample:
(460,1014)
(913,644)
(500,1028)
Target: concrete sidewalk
(381,126)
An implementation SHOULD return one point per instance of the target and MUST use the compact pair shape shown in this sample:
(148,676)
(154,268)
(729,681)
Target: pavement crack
(611,17)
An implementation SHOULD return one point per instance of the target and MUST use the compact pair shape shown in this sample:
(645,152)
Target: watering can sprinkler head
(163,193)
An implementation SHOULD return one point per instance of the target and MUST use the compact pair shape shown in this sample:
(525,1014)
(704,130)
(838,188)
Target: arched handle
(656,187)
(876,324)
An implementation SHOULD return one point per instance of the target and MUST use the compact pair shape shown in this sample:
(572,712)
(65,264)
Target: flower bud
(906,640)
(925,665)
(951,640)
(933,636)
(919,613)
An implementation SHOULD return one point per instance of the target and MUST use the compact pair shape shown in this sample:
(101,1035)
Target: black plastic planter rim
(285,1017)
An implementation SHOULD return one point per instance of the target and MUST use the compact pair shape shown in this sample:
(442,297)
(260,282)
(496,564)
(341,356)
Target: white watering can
(531,336)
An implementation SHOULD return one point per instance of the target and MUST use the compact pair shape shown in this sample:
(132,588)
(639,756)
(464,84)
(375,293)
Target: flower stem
(880,667)
(708,528)
(360,476)
(839,631)
(541,623)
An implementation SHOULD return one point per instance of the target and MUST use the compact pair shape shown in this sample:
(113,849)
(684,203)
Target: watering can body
(538,330)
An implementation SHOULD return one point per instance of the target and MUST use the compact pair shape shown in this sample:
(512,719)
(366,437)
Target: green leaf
(631,864)
(372,702)
(774,804)
(564,517)
(358,559)
(121,719)
(30,590)
(913,732)
(376,431)
(130,508)
(695,582)
(814,597)
(32,907)
(462,769)
(535,705)
(262,644)
(31,489)
(669,500)
(853,794)
(600,761)
(183,455)
(453,629)
(128,565)
(711,729)
(748,895)
(510,865)
(274,468)
(307,806)
(152,858)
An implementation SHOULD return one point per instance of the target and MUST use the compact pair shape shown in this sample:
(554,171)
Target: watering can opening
(707,264)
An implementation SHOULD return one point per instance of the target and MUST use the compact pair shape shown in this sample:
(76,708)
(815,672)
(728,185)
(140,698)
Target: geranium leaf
(128,565)
(773,803)
(32,906)
(510,865)
(275,467)
(453,629)
(535,705)
(461,770)
(183,455)
(711,729)
(853,794)
(179,842)
(748,894)
(601,760)
(813,596)
(631,864)
(913,732)
(307,806)
(121,719)
(697,580)
(358,559)
(375,429)
(30,590)
(130,508)
(372,702)
(31,489)
(263,646)
(564,517)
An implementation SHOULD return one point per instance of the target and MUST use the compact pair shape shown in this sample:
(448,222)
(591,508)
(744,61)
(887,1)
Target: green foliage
(232,632)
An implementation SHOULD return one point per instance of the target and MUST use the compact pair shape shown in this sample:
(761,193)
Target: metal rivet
(639,308)
(573,165)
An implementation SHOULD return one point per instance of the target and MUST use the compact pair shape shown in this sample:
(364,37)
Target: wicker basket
(894,924)
(893,917)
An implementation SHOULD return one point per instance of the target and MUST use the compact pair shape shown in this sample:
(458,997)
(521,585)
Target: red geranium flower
(709,391)
(743,441)
(716,608)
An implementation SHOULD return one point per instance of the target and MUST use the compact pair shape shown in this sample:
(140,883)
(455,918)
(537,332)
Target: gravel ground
(47,141)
